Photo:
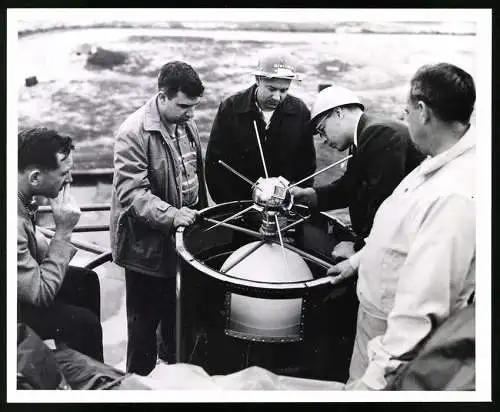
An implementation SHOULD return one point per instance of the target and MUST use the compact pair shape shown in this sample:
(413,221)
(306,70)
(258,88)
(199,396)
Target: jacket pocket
(143,247)
(391,263)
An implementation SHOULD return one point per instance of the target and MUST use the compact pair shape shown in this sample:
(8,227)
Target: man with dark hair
(158,185)
(281,122)
(383,154)
(56,300)
(418,264)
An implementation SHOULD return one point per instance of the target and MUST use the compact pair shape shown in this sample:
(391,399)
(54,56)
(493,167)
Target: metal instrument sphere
(271,193)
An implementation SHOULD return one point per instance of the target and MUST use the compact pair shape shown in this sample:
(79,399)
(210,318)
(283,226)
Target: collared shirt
(354,147)
(355,140)
(266,115)
(186,157)
(418,264)
(185,154)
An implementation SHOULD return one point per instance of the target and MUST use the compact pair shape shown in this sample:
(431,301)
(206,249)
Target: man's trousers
(74,318)
(151,303)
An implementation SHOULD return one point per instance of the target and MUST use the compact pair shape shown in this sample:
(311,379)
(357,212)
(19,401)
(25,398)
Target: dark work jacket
(384,155)
(288,145)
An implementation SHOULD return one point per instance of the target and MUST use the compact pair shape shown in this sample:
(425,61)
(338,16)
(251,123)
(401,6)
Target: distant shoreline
(344,28)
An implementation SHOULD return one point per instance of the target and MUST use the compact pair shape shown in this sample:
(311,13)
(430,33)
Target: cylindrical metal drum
(254,314)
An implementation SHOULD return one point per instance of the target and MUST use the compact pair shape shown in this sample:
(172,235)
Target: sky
(240,14)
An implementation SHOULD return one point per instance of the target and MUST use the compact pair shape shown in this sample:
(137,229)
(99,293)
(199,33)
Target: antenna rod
(282,246)
(236,173)
(260,148)
(319,171)
(230,218)
(245,255)
(302,219)
(234,227)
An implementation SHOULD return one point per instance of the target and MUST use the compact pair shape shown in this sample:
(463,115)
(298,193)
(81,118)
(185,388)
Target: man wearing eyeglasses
(383,154)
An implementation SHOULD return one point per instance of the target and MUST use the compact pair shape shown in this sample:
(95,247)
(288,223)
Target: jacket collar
(466,143)
(245,102)
(363,120)
(152,120)
(27,207)
(356,133)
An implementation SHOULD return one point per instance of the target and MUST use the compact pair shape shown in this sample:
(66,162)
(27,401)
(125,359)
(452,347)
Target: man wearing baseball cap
(383,154)
(282,123)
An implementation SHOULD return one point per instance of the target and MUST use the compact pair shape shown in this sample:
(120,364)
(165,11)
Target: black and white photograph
(244,204)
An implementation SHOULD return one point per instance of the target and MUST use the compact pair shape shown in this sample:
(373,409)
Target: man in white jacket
(418,264)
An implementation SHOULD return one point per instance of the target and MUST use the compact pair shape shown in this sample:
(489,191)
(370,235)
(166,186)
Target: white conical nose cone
(261,317)
(266,264)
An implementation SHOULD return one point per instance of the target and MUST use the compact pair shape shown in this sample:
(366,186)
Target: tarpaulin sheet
(187,376)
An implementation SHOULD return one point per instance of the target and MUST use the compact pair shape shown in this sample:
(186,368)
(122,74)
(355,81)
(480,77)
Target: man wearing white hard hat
(283,127)
(383,154)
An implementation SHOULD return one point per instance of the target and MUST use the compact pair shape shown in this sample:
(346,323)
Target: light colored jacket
(418,264)
(146,193)
(41,266)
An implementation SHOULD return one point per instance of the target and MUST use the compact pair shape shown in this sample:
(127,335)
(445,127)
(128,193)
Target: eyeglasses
(320,125)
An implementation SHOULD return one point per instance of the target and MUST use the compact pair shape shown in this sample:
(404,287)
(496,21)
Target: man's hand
(66,213)
(185,217)
(343,250)
(340,271)
(305,196)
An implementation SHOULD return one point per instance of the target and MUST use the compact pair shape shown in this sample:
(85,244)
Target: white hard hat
(276,64)
(332,97)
